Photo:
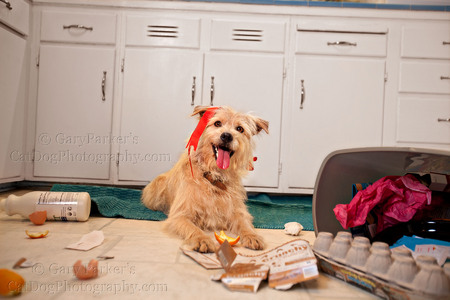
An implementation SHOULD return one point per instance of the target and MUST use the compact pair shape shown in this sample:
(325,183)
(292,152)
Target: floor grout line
(113,243)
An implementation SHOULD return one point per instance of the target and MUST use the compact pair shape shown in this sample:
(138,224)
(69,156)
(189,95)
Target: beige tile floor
(147,263)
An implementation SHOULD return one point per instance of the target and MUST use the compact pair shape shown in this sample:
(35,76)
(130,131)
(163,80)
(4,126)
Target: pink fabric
(393,199)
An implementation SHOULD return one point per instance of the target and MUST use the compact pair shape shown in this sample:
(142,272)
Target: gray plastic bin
(341,169)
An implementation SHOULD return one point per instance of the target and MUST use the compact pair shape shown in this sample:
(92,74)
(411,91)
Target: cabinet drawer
(163,32)
(418,120)
(426,41)
(89,27)
(253,36)
(16,15)
(341,43)
(425,77)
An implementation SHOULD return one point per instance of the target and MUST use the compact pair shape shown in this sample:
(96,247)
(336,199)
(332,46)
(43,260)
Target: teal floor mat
(270,212)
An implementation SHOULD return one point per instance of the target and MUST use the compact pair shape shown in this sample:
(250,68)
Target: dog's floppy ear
(200,110)
(261,125)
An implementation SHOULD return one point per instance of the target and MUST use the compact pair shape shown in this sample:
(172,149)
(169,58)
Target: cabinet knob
(8,5)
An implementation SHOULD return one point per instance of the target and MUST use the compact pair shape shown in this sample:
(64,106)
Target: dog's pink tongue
(223,159)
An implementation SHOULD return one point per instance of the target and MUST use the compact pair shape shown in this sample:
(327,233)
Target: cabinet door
(342,108)
(433,127)
(74,110)
(12,111)
(161,88)
(251,83)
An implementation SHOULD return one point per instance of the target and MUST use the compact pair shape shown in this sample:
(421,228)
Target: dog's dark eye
(217,123)
(240,129)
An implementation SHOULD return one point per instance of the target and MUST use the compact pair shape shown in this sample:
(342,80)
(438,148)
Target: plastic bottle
(60,206)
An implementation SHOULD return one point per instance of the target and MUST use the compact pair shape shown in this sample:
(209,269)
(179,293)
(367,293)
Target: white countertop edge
(290,10)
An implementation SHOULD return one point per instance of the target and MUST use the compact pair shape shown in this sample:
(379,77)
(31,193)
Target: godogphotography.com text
(90,148)
(113,279)
(69,156)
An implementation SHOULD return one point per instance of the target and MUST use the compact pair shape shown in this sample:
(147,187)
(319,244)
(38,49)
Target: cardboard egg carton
(375,268)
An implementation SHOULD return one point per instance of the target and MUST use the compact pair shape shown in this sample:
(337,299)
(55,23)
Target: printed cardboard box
(283,266)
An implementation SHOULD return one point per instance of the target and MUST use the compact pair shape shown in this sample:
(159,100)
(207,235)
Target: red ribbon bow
(195,137)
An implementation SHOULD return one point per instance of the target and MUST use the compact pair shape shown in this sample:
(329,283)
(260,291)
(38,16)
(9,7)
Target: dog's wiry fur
(195,204)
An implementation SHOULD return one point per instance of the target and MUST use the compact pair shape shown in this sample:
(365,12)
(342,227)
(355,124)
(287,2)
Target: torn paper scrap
(206,260)
(244,277)
(441,253)
(283,266)
(88,241)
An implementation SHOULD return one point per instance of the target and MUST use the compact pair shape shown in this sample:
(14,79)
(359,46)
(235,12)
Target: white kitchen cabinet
(250,83)
(74,112)
(424,119)
(15,14)
(13,79)
(12,112)
(163,81)
(75,95)
(245,70)
(160,89)
(337,99)
(423,99)
(325,79)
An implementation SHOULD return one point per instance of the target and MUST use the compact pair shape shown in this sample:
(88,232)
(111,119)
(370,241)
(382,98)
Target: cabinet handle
(8,5)
(193,91)
(103,86)
(212,91)
(445,43)
(445,77)
(302,93)
(341,43)
(77,26)
(443,120)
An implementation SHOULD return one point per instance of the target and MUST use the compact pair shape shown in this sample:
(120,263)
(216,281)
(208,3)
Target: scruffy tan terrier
(204,191)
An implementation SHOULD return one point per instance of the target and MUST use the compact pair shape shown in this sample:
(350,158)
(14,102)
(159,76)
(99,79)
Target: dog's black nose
(226,137)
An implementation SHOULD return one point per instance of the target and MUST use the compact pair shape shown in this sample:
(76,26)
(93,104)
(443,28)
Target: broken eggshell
(293,228)
(38,217)
(83,273)
(36,235)
(11,283)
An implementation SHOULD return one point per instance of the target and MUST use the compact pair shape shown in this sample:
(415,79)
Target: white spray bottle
(60,206)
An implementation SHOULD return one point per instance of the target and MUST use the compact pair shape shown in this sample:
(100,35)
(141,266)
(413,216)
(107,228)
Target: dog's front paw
(252,241)
(202,244)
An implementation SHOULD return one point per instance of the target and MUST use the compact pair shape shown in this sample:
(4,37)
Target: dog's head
(226,143)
